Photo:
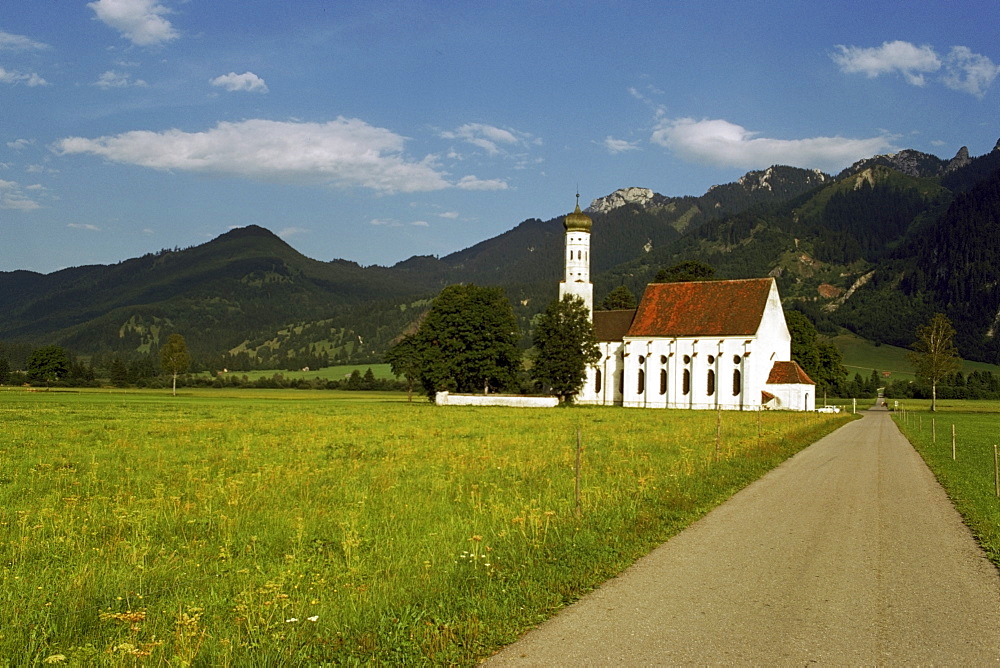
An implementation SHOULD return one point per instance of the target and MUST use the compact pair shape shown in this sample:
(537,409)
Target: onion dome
(578,221)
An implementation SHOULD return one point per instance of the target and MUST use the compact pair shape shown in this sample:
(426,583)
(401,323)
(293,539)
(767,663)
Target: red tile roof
(702,308)
(612,325)
(788,373)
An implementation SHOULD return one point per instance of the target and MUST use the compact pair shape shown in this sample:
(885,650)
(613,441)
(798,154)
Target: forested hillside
(875,250)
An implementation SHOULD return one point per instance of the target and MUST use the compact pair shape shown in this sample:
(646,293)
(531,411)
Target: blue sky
(377,131)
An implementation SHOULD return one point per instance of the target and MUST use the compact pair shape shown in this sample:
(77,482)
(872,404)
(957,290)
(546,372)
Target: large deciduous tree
(565,346)
(468,342)
(48,364)
(934,354)
(174,358)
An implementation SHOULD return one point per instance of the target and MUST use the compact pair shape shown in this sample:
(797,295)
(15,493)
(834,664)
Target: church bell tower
(577,259)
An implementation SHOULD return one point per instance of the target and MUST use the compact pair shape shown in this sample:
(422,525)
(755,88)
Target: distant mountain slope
(875,250)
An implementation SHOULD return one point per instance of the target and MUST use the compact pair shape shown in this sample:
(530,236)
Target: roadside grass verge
(247,528)
(969,478)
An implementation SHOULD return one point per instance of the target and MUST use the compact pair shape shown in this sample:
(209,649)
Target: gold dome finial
(578,221)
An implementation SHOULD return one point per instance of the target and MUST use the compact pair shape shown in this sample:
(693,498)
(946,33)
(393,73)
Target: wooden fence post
(952,442)
(996,473)
(579,449)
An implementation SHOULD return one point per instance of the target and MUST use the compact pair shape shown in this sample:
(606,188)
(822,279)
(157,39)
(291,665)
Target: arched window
(663,381)
(597,381)
(711,382)
(642,381)
(686,381)
(737,382)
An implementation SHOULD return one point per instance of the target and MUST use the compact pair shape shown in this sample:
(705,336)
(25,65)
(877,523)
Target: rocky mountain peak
(960,160)
(621,197)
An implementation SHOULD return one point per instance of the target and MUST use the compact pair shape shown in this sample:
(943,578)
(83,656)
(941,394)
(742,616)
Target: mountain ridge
(817,234)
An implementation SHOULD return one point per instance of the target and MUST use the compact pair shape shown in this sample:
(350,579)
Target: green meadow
(262,528)
(969,478)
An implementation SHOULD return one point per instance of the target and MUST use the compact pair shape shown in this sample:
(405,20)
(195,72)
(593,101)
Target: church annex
(695,345)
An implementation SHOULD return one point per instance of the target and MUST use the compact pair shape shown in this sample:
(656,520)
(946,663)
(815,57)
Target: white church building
(695,345)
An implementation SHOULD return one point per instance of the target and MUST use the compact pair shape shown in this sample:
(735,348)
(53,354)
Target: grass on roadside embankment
(261,528)
(969,478)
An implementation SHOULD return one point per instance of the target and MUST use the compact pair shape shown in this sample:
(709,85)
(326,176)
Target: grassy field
(342,372)
(969,478)
(861,356)
(275,528)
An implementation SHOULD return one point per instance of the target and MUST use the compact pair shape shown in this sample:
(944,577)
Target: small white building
(695,345)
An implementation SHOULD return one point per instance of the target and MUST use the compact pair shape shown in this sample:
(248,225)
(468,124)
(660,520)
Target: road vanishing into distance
(849,553)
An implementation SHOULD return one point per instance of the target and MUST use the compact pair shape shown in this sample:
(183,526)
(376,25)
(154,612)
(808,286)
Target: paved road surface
(849,553)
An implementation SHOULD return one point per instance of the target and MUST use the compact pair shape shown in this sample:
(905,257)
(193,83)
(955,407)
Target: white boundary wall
(448,399)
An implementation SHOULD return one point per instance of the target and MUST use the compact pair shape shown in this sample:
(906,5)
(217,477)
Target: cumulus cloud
(248,81)
(112,79)
(84,226)
(26,78)
(963,70)
(725,144)
(14,196)
(969,72)
(614,146)
(346,152)
(474,183)
(139,21)
(493,140)
(913,62)
(11,42)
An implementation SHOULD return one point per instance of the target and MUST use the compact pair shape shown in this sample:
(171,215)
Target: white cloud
(969,72)
(20,144)
(248,81)
(615,146)
(11,42)
(490,138)
(112,79)
(420,223)
(140,21)
(963,71)
(84,226)
(451,215)
(910,60)
(292,231)
(13,196)
(474,183)
(725,144)
(346,152)
(15,77)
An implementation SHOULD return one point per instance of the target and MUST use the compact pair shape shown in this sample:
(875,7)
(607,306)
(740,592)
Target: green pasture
(861,356)
(244,527)
(342,372)
(969,477)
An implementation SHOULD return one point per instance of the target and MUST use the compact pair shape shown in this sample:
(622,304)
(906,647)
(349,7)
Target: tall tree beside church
(566,345)
(468,341)
(618,299)
(819,359)
(934,354)
(688,270)
(174,357)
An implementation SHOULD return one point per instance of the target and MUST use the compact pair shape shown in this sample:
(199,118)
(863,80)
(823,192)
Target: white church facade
(691,345)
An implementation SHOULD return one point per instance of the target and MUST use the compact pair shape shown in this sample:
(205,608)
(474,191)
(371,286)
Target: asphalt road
(849,553)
